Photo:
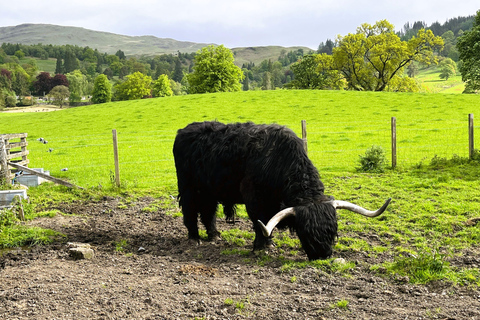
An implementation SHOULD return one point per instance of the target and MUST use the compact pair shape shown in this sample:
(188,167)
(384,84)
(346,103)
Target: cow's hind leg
(229,210)
(190,209)
(208,217)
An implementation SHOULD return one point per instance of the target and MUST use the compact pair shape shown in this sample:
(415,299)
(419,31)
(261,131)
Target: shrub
(374,160)
(10,101)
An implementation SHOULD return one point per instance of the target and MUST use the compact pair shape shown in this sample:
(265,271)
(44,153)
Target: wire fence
(146,159)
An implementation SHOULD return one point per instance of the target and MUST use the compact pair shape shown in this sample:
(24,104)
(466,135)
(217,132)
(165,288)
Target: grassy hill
(31,34)
(430,78)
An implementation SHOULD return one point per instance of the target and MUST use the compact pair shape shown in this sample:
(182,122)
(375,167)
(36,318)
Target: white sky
(233,23)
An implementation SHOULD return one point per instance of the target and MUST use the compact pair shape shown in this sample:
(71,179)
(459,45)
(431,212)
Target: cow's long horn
(353,207)
(272,223)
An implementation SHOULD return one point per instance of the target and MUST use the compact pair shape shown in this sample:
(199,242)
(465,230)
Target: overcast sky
(233,23)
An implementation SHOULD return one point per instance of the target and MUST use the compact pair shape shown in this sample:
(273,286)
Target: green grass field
(435,198)
(341,126)
(431,82)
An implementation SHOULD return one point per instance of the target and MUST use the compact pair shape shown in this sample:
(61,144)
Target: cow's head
(316,224)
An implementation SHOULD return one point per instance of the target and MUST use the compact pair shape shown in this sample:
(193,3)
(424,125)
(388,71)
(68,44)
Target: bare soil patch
(161,275)
(35,108)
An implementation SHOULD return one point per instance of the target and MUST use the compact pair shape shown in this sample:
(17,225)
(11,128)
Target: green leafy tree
(136,86)
(161,87)
(116,68)
(6,79)
(305,73)
(121,55)
(59,94)
(214,70)
(468,46)
(108,72)
(267,81)
(70,62)
(102,89)
(89,55)
(412,69)
(178,71)
(59,65)
(77,85)
(315,71)
(447,68)
(21,82)
(19,54)
(246,85)
(372,57)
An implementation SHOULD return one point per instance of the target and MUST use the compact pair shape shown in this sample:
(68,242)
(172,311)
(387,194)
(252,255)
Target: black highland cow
(264,167)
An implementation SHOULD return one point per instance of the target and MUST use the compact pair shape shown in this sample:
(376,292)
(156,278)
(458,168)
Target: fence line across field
(147,156)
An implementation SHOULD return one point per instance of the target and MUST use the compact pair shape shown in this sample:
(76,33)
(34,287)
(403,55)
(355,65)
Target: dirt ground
(161,275)
(34,108)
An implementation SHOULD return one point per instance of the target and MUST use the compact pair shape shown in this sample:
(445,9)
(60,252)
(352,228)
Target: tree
(19,54)
(315,71)
(59,65)
(214,70)
(447,68)
(77,85)
(21,82)
(136,86)
(43,84)
(161,87)
(305,73)
(108,72)
(59,94)
(371,58)
(70,62)
(326,47)
(59,80)
(121,55)
(412,69)
(6,79)
(178,72)
(468,46)
(267,81)
(246,85)
(102,89)
(89,55)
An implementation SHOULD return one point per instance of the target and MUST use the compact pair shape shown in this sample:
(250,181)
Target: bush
(374,160)
(10,101)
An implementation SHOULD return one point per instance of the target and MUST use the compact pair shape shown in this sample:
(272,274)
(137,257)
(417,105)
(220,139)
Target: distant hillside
(259,54)
(103,41)
(31,34)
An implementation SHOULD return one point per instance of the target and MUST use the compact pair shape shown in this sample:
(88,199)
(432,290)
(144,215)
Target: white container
(6,196)
(31,180)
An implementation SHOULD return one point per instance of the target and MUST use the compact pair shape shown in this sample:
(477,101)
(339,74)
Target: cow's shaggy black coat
(264,167)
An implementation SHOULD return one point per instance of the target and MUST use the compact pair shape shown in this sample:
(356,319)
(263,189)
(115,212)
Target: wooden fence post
(115,155)
(394,142)
(471,141)
(4,172)
(304,135)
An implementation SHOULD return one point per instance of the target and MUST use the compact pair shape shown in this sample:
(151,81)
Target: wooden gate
(13,149)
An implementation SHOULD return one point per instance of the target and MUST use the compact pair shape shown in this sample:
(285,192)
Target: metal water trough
(31,180)
(7,196)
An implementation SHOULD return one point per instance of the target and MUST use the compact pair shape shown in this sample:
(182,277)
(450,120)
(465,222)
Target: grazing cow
(264,167)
